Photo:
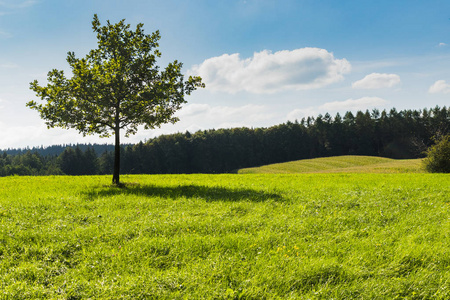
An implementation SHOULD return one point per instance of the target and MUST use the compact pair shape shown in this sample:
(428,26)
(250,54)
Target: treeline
(58,149)
(395,134)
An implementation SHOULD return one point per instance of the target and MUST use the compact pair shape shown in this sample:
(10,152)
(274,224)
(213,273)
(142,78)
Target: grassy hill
(230,236)
(341,164)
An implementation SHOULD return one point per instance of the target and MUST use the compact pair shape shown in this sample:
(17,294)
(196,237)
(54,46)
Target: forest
(393,134)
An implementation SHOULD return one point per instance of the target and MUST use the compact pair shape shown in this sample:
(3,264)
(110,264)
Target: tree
(116,86)
(438,156)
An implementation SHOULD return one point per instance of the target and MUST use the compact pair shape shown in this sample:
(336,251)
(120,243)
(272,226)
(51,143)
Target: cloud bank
(267,72)
(377,81)
(354,105)
(439,86)
(224,116)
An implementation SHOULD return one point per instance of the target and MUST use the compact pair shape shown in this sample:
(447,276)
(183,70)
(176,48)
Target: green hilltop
(341,164)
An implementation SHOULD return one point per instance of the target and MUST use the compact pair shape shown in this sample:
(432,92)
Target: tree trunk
(116,175)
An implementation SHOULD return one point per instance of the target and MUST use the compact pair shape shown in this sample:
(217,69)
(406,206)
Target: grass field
(342,164)
(305,236)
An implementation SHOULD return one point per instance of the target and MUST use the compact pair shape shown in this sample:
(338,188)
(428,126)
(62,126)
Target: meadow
(229,236)
(341,164)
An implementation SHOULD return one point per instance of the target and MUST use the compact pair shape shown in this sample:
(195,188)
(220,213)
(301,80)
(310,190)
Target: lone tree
(116,86)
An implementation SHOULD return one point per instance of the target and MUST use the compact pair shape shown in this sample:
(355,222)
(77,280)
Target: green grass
(305,236)
(341,164)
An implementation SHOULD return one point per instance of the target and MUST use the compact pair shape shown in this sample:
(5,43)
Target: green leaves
(116,86)
(438,156)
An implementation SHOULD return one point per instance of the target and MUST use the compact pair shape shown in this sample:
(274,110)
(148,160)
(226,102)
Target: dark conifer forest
(394,134)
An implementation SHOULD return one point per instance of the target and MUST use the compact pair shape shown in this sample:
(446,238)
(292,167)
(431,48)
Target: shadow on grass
(188,191)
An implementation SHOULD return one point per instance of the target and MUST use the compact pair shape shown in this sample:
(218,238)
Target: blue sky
(264,61)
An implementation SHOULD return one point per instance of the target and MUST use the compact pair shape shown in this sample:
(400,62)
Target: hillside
(341,164)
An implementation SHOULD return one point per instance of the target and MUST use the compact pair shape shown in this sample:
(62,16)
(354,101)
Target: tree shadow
(209,194)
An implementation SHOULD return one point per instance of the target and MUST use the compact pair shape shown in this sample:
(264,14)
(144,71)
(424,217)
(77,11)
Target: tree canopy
(438,156)
(117,86)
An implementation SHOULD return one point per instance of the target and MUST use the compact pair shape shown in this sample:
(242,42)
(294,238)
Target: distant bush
(438,156)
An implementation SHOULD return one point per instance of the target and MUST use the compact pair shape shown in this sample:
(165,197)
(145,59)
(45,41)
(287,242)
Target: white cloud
(377,81)
(354,105)
(442,44)
(439,86)
(224,116)
(37,135)
(194,109)
(298,114)
(194,117)
(267,72)
(8,66)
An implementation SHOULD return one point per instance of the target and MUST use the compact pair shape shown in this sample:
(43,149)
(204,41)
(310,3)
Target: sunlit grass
(341,164)
(307,236)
